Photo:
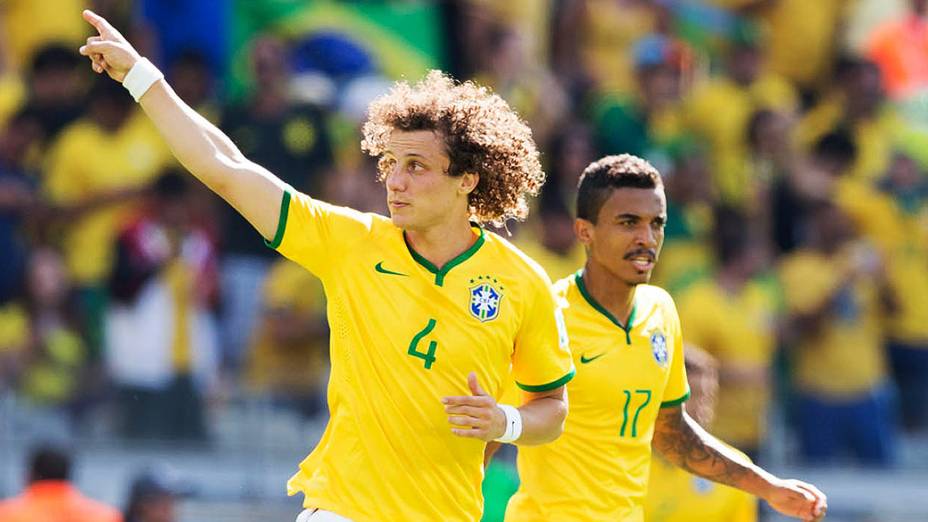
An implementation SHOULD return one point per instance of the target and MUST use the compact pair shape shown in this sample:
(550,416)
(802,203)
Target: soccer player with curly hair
(428,312)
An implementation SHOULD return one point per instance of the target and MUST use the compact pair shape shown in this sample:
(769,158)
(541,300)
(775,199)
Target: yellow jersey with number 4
(598,468)
(404,334)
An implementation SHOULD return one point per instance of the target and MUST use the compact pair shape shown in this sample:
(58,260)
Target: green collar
(443,271)
(601,309)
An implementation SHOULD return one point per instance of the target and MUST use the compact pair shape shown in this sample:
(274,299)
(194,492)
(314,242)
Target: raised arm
(683,442)
(199,146)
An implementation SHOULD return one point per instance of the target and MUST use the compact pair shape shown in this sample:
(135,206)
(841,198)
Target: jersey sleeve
(677,389)
(315,234)
(541,360)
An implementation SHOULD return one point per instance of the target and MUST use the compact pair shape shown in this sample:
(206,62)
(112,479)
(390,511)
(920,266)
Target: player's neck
(615,295)
(440,244)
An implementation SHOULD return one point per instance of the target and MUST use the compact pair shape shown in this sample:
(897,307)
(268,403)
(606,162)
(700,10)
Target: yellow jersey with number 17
(598,468)
(404,334)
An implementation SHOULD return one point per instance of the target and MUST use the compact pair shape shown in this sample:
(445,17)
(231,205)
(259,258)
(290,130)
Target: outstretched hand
(798,499)
(476,415)
(109,51)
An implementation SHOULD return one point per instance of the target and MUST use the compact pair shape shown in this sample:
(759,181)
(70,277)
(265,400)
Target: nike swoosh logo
(379,267)
(585,360)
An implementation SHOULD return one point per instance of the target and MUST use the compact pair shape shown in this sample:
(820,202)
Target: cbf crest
(659,348)
(485,298)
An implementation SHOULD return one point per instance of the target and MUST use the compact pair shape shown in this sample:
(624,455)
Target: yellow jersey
(845,357)
(739,329)
(87,162)
(719,112)
(677,496)
(299,366)
(598,468)
(404,334)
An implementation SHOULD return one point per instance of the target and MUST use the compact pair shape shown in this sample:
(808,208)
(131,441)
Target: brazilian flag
(401,39)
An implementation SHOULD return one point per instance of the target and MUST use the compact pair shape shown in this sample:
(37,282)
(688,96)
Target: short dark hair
(732,233)
(49,463)
(54,56)
(604,175)
(171,184)
(837,146)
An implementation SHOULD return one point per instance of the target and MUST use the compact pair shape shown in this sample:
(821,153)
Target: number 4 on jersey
(429,356)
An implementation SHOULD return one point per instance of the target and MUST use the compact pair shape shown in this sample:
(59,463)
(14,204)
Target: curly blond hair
(482,135)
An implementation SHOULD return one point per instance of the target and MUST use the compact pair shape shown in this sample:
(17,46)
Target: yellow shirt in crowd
(902,238)
(598,468)
(289,289)
(30,24)
(845,358)
(404,334)
(739,330)
(801,38)
(719,112)
(87,162)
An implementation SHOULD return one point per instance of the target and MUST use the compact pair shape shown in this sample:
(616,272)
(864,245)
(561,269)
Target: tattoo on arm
(684,443)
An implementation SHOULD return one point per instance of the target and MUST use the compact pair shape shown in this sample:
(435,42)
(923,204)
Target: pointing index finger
(99,23)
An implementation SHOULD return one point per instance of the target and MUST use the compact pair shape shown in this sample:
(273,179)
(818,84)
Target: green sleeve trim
(551,385)
(676,402)
(281,222)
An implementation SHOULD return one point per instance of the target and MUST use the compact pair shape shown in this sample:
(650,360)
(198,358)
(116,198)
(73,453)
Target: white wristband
(141,77)
(513,423)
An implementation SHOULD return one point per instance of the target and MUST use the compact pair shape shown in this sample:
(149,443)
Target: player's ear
(583,229)
(468,182)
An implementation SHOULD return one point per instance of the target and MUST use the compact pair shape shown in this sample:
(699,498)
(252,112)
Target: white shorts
(319,515)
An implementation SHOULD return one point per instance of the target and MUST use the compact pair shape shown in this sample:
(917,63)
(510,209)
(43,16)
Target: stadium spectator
(50,496)
(93,194)
(719,111)
(550,240)
(742,291)
(508,69)
(569,150)
(906,187)
(290,140)
(646,121)
(53,374)
(195,83)
(160,335)
(900,48)
(687,252)
(29,25)
(677,496)
(56,87)
(607,32)
(802,38)
(288,356)
(17,198)
(857,104)
(836,291)
(152,498)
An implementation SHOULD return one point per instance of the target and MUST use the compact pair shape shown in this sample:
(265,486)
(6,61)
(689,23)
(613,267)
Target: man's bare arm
(683,442)
(199,146)
(478,416)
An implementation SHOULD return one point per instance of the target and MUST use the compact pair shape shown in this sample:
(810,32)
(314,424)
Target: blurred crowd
(792,136)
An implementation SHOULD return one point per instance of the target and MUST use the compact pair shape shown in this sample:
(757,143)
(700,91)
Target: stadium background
(791,134)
